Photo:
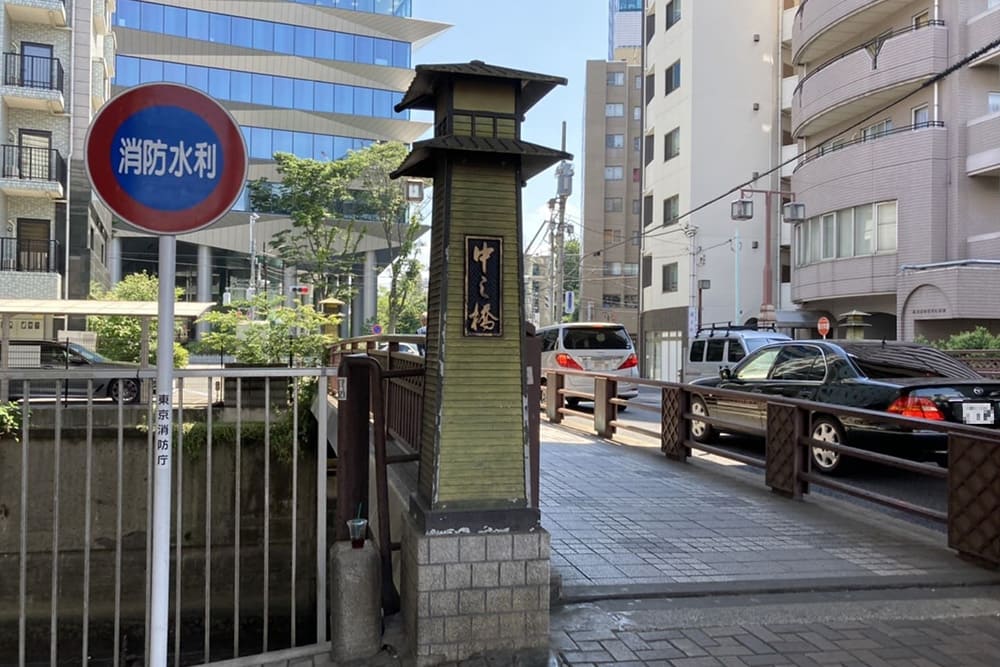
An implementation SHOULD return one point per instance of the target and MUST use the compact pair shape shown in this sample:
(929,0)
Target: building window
(636,143)
(671,206)
(672,144)
(614,173)
(650,87)
(670,277)
(647,214)
(612,236)
(922,19)
(636,113)
(612,301)
(636,207)
(630,269)
(650,27)
(612,268)
(851,232)
(650,142)
(638,82)
(647,271)
(673,78)
(993,99)
(614,140)
(616,78)
(631,301)
(613,204)
(614,110)
(877,130)
(673,9)
(636,175)
(921,117)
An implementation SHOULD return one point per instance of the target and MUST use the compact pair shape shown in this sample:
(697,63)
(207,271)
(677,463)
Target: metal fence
(249,573)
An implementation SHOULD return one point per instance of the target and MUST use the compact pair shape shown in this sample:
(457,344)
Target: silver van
(600,347)
(715,348)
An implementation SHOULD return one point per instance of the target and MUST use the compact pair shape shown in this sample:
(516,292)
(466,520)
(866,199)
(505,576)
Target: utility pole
(564,188)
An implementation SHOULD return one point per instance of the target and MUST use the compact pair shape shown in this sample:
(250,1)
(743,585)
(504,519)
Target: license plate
(978,413)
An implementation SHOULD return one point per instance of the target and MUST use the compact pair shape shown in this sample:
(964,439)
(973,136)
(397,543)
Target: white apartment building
(712,119)
(58,61)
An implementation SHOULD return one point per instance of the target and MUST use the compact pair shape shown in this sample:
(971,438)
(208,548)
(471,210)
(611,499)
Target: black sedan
(900,378)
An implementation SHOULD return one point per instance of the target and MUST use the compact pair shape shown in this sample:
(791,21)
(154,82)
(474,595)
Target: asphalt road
(910,487)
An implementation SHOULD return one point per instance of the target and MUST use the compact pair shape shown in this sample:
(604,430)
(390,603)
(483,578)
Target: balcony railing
(32,256)
(33,164)
(38,72)
(820,151)
(872,44)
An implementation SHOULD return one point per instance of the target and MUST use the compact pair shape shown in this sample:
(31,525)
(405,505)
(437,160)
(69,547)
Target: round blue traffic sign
(166,158)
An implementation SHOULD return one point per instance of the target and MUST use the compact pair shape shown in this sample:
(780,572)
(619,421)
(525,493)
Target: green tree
(414,300)
(320,243)
(381,200)
(120,337)
(571,275)
(277,333)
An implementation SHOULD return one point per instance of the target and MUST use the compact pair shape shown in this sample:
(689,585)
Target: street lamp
(742,209)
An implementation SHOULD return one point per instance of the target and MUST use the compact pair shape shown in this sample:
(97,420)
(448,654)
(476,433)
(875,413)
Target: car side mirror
(725,373)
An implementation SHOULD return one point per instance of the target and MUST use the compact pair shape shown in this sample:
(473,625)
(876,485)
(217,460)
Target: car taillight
(566,361)
(631,362)
(916,406)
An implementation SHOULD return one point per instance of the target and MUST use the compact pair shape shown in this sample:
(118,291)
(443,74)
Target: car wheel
(128,389)
(700,431)
(827,429)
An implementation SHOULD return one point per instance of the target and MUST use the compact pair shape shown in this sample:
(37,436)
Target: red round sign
(166,158)
(823,326)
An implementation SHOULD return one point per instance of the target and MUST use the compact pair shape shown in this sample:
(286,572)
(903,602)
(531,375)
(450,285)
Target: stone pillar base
(475,594)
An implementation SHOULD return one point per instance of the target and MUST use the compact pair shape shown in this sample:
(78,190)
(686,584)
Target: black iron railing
(38,72)
(33,256)
(33,164)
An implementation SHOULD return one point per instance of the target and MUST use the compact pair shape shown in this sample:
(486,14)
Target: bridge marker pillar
(475,559)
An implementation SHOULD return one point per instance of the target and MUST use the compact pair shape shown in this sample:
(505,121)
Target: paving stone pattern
(967,642)
(623,515)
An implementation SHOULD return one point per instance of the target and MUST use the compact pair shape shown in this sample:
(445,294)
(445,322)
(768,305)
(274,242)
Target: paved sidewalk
(694,565)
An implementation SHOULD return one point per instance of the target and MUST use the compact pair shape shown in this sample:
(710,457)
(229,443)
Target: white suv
(598,347)
(717,347)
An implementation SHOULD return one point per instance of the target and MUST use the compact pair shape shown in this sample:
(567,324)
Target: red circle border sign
(100,169)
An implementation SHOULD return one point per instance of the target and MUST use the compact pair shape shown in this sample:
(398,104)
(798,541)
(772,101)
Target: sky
(554,37)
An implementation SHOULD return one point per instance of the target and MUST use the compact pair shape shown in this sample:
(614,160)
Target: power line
(934,79)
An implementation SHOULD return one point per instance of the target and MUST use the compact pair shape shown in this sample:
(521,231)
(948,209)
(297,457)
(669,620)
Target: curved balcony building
(899,133)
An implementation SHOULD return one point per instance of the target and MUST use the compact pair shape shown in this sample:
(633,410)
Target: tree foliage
(120,337)
(276,334)
(413,300)
(319,243)
(979,338)
(333,206)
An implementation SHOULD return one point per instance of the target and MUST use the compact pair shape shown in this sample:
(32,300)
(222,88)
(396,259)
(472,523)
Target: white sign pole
(160,594)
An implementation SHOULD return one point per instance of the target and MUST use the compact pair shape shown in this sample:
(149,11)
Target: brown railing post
(973,501)
(605,412)
(783,452)
(674,402)
(533,375)
(352,446)
(553,396)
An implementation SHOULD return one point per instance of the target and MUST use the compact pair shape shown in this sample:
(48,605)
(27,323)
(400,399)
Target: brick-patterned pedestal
(473,594)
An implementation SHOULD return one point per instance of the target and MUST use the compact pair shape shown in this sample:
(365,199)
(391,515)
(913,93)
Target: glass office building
(316,78)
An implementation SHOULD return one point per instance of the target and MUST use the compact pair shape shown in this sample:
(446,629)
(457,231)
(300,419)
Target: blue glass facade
(261,35)
(391,7)
(263,89)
